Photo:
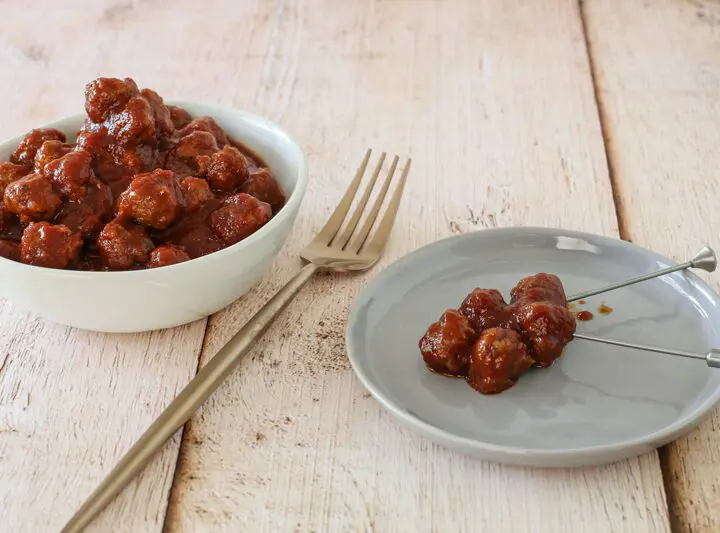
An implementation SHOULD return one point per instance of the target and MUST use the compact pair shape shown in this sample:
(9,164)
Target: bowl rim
(291,205)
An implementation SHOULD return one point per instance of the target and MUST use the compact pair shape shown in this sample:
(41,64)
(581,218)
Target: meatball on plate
(469,341)
(140,213)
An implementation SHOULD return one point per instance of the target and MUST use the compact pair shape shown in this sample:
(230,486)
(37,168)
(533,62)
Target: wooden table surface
(599,115)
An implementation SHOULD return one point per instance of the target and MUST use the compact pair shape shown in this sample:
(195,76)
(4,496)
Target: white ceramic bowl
(164,297)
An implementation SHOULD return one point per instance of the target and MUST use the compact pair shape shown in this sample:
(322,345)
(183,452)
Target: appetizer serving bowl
(143,300)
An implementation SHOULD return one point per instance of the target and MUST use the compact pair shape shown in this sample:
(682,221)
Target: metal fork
(334,248)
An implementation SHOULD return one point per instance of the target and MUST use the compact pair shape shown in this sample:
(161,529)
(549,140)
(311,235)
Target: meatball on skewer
(498,359)
(446,345)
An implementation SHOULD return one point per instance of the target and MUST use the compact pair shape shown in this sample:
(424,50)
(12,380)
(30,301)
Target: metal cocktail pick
(712,358)
(704,260)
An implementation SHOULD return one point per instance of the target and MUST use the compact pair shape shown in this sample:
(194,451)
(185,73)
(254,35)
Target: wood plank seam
(183,442)
(624,233)
(602,118)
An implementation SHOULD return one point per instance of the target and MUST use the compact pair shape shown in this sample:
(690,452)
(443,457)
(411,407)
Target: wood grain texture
(494,102)
(657,67)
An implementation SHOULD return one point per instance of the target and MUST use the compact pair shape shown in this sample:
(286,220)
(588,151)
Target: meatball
(191,154)
(123,245)
(24,154)
(206,124)
(49,245)
(240,216)
(227,169)
(134,160)
(134,124)
(113,162)
(180,118)
(71,173)
(197,192)
(198,241)
(263,186)
(486,308)
(153,199)
(498,358)
(5,217)
(32,198)
(50,151)
(10,172)
(9,250)
(539,288)
(446,345)
(167,255)
(163,120)
(88,216)
(106,95)
(547,329)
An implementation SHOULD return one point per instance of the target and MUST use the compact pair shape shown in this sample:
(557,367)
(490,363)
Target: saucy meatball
(153,199)
(10,172)
(227,169)
(71,173)
(163,120)
(191,154)
(50,151)
(88,215)
(105,95)
(113,163)
(122,245)
(263,186)
(180,118)
(486,308)
(167,255)
(498,358)
(198,241)
(197,192)
(9,250)
(547,328)
(208,125)
(446,345)
(539,288)
(49,245)
(24,154)
(134,123)
(5,218)
(240,216)
(32,198)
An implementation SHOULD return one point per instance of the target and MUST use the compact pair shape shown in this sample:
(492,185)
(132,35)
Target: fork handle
(175,415)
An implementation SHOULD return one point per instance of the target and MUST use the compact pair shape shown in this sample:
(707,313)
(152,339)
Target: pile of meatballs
(491,343)
(145,185)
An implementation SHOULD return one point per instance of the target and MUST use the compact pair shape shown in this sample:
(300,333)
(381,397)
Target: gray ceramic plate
(597,403)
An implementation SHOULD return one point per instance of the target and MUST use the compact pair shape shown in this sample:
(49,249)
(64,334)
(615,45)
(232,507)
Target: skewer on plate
(712,358)
(704,260)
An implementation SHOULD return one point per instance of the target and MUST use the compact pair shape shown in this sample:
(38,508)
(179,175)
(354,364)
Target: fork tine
(342,239)
(331,227)
(378,242)
(371,218)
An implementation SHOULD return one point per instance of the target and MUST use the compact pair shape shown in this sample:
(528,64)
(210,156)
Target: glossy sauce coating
(446,345)
(145,185)
(492,343)
(499,357)
(605,309)
(584,316)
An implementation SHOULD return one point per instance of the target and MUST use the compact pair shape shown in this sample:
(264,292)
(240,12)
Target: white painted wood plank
(658,74)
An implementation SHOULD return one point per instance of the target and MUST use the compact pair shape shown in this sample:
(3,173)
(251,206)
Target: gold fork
(332,249)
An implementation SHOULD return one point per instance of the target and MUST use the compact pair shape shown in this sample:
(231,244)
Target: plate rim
(587,455)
